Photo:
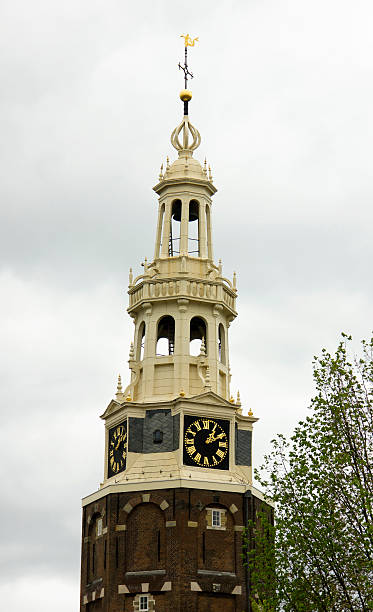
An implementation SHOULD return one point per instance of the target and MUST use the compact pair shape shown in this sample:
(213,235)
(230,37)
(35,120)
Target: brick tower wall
(162,542)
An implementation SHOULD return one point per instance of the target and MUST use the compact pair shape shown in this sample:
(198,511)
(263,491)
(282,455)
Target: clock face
(206,442)
(117,449)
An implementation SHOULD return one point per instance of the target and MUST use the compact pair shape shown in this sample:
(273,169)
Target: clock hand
(211,436)
(210,439)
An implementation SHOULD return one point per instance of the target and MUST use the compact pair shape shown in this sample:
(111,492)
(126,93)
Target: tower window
(193,228)
(216,518)
(166,336)
(158,436)
(198,332)
(144,603)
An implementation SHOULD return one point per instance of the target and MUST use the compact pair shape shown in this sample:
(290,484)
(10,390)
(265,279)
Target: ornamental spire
(190,136)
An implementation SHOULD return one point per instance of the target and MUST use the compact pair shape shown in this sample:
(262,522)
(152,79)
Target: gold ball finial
(185,95)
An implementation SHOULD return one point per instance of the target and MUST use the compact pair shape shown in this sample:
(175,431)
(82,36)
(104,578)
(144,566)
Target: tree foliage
(321,481)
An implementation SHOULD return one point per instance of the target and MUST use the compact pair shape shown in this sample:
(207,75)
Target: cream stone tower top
(181,301)
(176,424)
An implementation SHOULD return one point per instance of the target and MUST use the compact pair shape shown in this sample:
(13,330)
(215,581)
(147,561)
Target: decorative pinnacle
(210,175)
(234,280)
(161,173)
(132,352)
(207,378)
(238,401)
(205,167)
(202,352)
(119,385)
(250,413)
(130,277)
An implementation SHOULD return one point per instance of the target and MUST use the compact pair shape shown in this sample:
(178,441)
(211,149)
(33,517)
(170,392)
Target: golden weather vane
(188,42)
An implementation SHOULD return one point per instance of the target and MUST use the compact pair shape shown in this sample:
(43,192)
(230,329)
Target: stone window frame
(144,603)
(150,602)
(222,515)
(99,527)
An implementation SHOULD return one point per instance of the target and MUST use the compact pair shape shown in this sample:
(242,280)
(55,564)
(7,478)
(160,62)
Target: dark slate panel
(176,432)
(141,432)
(160,419)
(243,446)
(135,435)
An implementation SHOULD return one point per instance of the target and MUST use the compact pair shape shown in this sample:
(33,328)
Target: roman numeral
(205,461)
(189,441)
(197,458)
(223,444)
(206,424)
(191,450)
(214,460)
(197,425)
(220,453)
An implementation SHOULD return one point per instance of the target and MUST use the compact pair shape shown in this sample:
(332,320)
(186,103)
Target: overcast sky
(283,98)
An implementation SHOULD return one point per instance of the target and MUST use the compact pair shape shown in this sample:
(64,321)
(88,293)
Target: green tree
(319,554)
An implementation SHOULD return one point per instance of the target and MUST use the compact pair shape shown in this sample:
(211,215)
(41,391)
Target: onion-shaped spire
(190,137)
(185,137)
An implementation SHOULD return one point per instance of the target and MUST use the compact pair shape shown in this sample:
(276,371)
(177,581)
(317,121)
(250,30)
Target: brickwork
(159,542)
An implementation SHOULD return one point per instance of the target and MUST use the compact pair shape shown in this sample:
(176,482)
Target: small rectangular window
(216,518)
(99,527)
(144,603)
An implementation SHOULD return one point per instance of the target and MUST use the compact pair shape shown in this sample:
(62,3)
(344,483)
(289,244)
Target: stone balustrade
(172,288)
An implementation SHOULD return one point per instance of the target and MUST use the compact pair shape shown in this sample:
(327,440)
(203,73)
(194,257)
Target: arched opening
(95,558)
(221,344)
(140,344)
(198,332)
(146,538)
(193,228)
(165,336)
(175,225)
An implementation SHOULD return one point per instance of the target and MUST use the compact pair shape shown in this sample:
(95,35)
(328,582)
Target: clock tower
(164,530)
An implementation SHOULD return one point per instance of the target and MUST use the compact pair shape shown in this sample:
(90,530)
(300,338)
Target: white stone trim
(237,590)
(194,586)
(122,589)
(167,586)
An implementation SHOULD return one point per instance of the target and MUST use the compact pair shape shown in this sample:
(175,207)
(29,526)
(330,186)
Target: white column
(166,230)
(159,230)
(202,230)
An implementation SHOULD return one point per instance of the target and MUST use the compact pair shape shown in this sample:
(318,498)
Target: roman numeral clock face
(117,449)
(206,442)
